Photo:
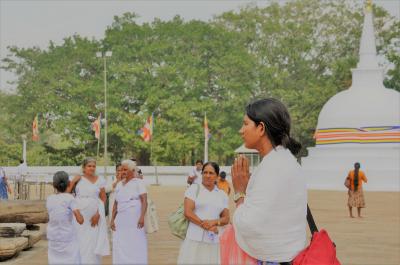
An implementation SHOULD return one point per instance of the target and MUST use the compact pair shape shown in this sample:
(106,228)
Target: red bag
(321,251)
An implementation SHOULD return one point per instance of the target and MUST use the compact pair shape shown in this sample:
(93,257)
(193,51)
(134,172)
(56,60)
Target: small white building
(251,154)
(360,124)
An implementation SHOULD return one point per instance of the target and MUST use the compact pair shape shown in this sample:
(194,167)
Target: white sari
(271,223)
(129,242)
(93,241)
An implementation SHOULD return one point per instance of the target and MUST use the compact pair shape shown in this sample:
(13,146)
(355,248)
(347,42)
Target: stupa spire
(368,74)
(367,43)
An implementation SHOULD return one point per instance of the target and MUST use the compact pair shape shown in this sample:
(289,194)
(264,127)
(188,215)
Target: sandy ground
(371,240)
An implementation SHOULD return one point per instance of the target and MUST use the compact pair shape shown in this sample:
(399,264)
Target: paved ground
(372,240)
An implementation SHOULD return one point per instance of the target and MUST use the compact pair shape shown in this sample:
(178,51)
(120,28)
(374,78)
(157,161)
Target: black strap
(311,222)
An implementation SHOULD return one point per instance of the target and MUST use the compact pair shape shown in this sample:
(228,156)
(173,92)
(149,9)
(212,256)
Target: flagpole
(205,139)
(152,160)
(98,138)
(103,56)
(98,148)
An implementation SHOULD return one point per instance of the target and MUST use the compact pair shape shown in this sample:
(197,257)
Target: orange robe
(223,185)
(361,178)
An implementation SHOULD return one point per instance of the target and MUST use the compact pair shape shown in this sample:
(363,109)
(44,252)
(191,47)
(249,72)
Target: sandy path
(372,240)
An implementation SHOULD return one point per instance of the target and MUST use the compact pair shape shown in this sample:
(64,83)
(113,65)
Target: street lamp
(104,56)
(23,136)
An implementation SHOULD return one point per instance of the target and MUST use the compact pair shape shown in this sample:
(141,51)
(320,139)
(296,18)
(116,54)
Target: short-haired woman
(206,208)
(90,197)
(63,247)
(270,218)
(129,237)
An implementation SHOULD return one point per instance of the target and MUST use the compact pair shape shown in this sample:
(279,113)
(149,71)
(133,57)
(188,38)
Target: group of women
(268,225)
(84,239)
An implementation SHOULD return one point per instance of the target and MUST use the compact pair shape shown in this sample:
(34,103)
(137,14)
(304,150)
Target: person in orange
(356,195)
(223,184)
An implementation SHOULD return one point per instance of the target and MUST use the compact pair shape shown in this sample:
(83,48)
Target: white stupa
(360,124)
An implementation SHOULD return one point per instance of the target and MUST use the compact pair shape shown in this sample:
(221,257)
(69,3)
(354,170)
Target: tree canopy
(300,52)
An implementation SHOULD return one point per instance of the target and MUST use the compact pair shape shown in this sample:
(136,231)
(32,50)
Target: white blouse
(208,206)
(127,195)
(87,189)
(271,223)
(60,227)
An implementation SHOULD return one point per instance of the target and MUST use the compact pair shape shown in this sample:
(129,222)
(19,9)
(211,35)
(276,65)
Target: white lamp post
(104,56)
(24,148)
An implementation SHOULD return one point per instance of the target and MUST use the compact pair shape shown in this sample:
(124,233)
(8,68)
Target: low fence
(37,182)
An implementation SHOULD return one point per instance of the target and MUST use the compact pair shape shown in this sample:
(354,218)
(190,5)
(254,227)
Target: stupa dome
(360,124)
(358,108)
(366,107)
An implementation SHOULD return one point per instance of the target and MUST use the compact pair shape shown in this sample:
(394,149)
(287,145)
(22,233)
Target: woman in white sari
(129,237)
(271,204)
(90,198)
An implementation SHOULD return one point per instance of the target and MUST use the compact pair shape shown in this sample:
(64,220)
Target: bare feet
(360,216)
(351,216)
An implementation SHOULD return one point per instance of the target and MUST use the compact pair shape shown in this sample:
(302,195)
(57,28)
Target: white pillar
(24,148)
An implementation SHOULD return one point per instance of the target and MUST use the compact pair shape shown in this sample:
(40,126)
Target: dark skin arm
(189,206)
(8,185)
(72,183)
(143,200)
(213,224)
(240,176)
(78,216)
(189,212)
(114,214)
(103,195)
(96,217)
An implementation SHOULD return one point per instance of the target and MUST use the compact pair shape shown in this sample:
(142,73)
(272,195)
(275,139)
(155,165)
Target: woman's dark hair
(213,164)
(356,179)
(60,181)
(117,165)
(199,161)
(88,160)
(276,119)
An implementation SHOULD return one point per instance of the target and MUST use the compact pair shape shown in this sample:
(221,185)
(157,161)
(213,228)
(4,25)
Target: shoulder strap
(311,222)
(198,190)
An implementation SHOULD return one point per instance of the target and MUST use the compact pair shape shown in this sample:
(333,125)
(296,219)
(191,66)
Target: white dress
(129,242)
(93,241)
(270,225)
(201,246)
(63,245)
(199,177)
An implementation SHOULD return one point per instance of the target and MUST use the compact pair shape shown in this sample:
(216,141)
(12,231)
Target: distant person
(195,174)
(356,195)
(22,171)
(222,183)
(5,187)
(63,247)
(206,208)
(139,174)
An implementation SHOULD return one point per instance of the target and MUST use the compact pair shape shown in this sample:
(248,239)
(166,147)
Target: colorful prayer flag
(35,129)
(147,131)
(96,127)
